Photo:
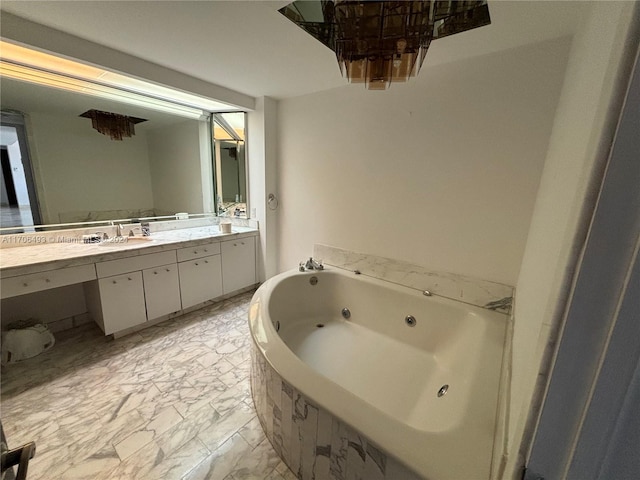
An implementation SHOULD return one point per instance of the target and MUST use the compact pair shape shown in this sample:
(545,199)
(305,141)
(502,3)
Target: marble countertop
(50,256)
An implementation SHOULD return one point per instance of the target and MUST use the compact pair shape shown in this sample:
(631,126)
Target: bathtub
(355,377)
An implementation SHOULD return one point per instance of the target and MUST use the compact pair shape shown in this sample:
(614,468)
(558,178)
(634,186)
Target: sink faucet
(311,264)
(119,230)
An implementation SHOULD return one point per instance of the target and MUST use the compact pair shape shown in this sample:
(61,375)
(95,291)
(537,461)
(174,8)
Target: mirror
(230,161)
(81,175)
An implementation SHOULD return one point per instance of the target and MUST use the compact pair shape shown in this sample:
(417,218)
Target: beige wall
(441,171)
(79,169)
(576,156)
(174,158)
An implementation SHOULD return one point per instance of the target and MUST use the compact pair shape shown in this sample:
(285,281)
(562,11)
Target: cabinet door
(122,301)
(238,264)
(200,280)
(161,290)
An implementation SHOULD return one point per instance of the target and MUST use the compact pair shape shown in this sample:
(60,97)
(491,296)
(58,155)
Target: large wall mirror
(73,173)
(230,160)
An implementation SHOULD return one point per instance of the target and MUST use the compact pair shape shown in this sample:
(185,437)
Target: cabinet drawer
(34,282)
(131,264)
(191,253)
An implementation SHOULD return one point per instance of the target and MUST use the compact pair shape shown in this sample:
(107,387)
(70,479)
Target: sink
(124,241)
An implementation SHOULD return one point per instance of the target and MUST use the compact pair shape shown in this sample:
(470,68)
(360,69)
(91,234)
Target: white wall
(577,153)
(441,171)
(262,165)
(79,169)
(174,158)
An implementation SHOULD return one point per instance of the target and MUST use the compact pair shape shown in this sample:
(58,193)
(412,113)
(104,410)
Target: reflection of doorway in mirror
(232,168)
(15,204)
(231,171)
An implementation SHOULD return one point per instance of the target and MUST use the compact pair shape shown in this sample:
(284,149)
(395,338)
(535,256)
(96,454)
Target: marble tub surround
(46,255)
(481,293)
(169,402)
(313,443)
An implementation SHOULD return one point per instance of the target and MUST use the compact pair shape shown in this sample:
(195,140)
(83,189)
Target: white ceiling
(249,47)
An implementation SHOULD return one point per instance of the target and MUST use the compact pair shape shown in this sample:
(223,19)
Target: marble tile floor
(169,402)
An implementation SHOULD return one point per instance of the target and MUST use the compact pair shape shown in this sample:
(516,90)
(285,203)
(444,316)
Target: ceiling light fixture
(379,42)
(113,124)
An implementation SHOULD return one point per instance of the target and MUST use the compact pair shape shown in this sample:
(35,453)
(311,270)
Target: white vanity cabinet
(36,282)
(200,274)
(136,286)
(161,290)
(121,301)
(238,264)
(130,291)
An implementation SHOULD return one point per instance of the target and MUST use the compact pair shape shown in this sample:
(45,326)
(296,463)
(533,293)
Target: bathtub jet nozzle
(346,313)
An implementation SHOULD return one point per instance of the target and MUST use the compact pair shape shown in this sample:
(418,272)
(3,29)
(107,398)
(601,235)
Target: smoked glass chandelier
(114,125)
(379,42)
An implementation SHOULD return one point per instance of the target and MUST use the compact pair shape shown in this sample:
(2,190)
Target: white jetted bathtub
(355,377)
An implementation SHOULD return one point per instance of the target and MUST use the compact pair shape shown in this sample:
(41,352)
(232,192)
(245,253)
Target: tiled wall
(312,442)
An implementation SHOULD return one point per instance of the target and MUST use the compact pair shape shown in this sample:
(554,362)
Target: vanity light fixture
(113,124)
(30,65)
(379,42)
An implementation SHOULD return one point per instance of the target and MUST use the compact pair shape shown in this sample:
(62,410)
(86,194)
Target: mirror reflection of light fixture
(379,42)
(114,125)
(30,65)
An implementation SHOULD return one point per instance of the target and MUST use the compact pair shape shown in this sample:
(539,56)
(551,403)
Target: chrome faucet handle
(311,264)
(301,267)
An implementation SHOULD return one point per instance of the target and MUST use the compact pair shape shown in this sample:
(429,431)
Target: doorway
(18,205)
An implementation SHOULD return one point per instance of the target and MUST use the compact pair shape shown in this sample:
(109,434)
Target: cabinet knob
(168,270)
(47,280)
(155,273)
(197,264)
(195,252)
(114,282)
(205,250)
(235,244)
(25,284)
(241,243)
(129,278)
(206,261)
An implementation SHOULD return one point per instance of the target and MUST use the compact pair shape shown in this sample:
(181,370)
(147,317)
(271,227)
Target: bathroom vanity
(130,284)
